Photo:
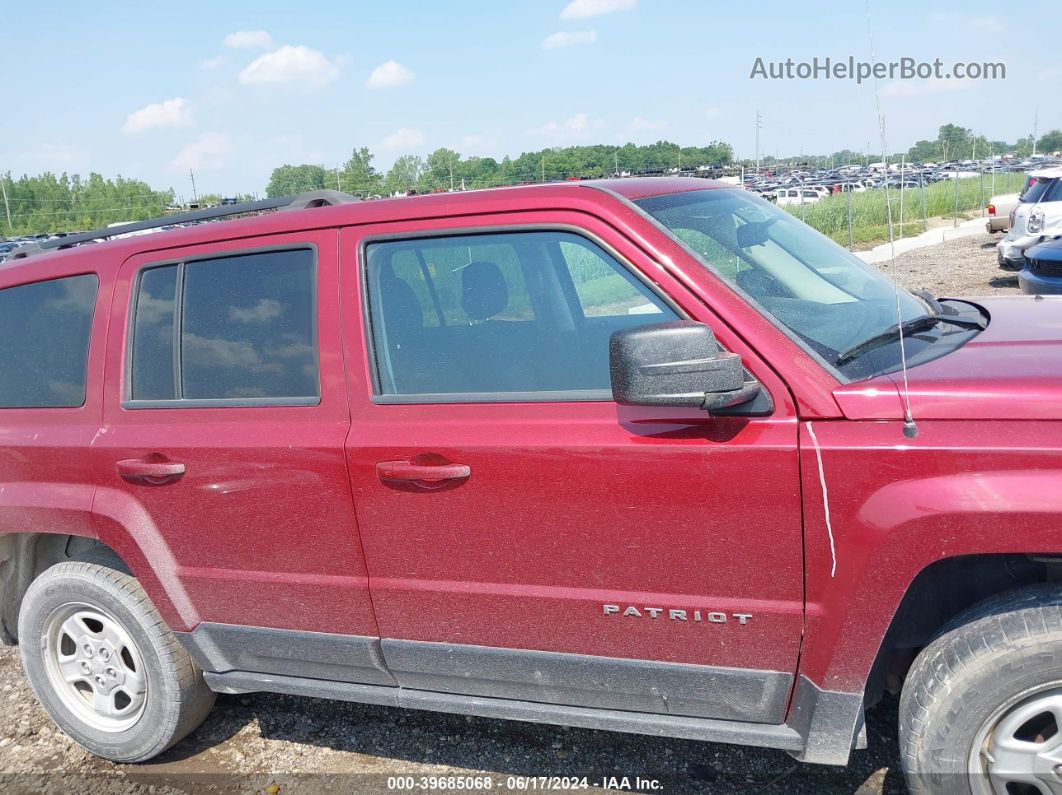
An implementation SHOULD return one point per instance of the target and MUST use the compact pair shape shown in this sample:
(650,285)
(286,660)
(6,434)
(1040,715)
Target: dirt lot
(963,267)
(260,742)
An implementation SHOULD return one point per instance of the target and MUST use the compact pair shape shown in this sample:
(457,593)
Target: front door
(221,454)
(528,538)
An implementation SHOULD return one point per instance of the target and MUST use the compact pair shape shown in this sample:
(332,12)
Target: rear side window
(239,328)
(1042,189)
(44,340)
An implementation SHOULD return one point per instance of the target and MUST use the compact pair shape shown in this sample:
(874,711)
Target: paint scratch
(825,498)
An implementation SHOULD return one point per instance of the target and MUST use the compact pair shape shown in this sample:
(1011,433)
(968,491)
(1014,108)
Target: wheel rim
(94,667)
(1019,750)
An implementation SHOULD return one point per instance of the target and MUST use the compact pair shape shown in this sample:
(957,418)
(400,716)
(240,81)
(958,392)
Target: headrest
(483,291)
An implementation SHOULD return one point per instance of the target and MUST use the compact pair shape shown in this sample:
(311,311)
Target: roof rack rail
(302,201)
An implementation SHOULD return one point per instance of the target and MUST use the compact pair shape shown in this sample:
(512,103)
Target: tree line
(50,203)
(445,169)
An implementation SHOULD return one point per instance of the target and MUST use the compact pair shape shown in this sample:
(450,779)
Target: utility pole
(759,124)
(1036,124)
(543,167)
(339,185)
(7,207)
(615,156)
(195,196)
(451,175)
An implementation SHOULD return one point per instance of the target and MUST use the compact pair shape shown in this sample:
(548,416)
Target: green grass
(870,216)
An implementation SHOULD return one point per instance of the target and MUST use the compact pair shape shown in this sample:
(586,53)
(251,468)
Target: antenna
(910,429)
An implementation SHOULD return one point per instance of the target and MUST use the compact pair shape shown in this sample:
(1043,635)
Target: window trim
(128,402)
(88,341)
(378,397)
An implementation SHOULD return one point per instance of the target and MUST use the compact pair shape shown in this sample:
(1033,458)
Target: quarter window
(237,328)
(44,340)
(488,314)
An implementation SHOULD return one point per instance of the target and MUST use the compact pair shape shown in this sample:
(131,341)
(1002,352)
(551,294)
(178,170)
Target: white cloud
(291,64)
(404,138)
(168,113)
(252,39)
(716,112)
(638,124)
(389,75)
(209,151)
(566,38)
(214,63)
(918,88)
(571,129)
(583,9)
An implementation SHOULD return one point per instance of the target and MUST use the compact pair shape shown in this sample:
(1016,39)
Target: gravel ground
(271,744)
(962,267)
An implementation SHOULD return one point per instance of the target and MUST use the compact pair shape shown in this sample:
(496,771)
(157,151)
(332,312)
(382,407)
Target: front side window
(489,314)
(230,328)
(44,341)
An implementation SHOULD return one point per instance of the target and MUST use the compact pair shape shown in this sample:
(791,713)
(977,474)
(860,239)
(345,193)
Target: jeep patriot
(647,455)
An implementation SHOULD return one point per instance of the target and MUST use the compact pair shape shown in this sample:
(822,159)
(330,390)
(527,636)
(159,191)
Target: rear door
(222,452)
(526,536)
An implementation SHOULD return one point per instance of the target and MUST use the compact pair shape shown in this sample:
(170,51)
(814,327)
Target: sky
(231,90)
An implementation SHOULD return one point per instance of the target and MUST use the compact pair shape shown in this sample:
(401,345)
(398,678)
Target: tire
(991,681)
(137,692)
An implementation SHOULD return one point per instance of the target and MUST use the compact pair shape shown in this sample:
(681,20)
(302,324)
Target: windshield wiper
(895,331)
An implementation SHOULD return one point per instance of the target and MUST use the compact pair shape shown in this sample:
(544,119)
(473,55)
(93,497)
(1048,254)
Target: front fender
(897,506)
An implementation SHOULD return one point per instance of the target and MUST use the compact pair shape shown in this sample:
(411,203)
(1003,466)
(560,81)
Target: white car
(797,196)
(1037,215)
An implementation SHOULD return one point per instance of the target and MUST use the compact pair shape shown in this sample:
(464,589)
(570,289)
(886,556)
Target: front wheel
(105,666)
(981,710)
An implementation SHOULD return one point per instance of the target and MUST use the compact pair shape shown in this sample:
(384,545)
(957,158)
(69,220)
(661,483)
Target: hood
(1010,371)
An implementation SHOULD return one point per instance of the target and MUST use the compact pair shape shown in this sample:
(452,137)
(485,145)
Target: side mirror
(676,364)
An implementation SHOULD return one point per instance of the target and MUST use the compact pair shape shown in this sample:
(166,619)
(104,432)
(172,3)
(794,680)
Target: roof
(1049,173)
(425,206)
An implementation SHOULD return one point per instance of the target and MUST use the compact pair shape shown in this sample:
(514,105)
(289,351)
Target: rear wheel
(981,710)
(105,666)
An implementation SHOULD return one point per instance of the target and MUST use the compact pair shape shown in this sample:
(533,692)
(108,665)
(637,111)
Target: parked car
(797,196)
(1042,274)
(626,454)
(999,209)
(1037,215)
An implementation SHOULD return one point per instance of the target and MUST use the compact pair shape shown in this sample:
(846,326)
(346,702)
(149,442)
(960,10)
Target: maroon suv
(647,455)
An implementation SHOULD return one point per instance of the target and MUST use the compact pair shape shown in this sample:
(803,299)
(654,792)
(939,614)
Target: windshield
(824,296)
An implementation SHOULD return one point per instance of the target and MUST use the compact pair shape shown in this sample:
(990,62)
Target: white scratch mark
(825,497)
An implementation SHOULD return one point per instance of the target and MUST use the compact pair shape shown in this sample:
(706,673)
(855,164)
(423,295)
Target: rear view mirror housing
(678,364)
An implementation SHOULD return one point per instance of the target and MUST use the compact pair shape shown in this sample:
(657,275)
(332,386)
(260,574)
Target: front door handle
(150,472)
(420,471)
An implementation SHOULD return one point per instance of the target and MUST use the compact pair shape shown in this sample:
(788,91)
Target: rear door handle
(152,473)
(420,472)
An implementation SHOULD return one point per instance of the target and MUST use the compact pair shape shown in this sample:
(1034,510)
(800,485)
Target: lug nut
(87,649)
(112,673)
(86,667)
(101,681)
(104,654)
